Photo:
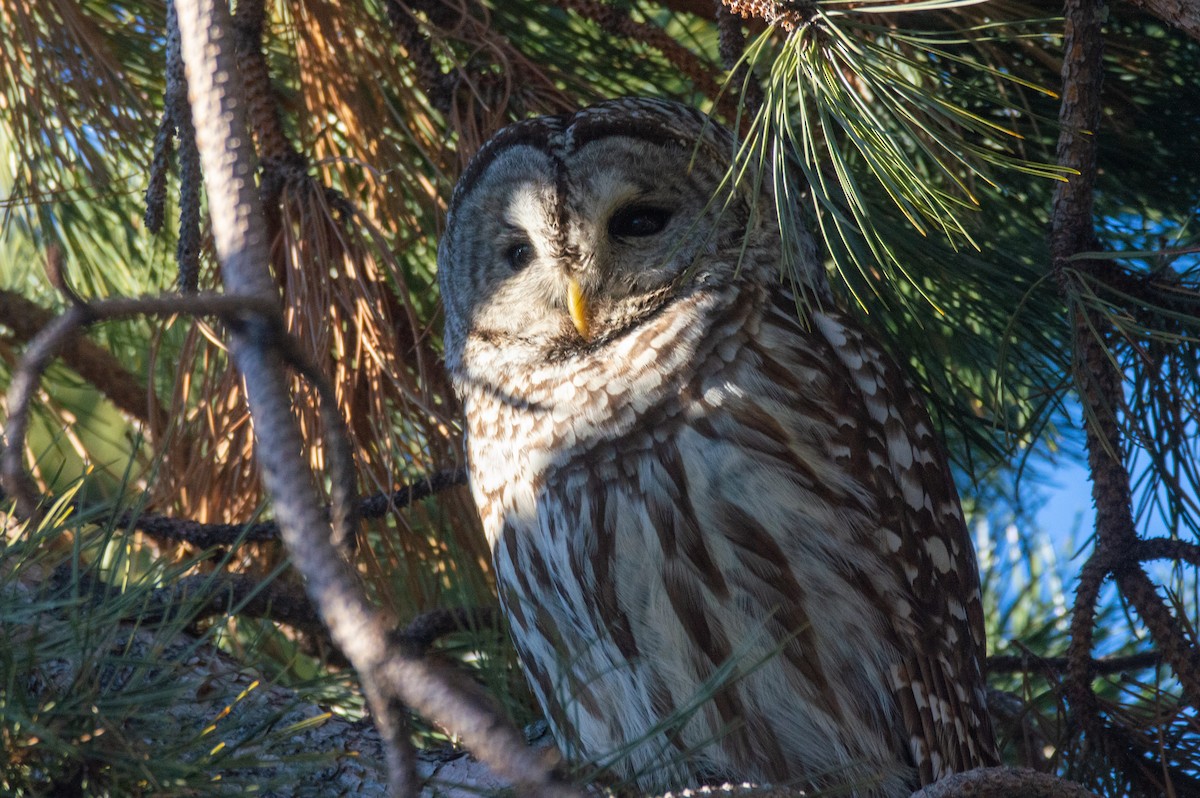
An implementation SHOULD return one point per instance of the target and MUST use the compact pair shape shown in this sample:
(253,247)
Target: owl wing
(888,440)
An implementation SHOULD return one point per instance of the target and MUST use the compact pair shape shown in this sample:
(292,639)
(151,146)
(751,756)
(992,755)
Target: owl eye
(634,221)
(519,255)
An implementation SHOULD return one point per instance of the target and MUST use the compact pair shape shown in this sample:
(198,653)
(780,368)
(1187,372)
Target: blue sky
(1068,515)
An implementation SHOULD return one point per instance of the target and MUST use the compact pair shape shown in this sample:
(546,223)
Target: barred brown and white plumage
(724,532)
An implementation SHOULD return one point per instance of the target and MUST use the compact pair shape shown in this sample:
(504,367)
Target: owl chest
(684,476)
(532,469)
(575,551)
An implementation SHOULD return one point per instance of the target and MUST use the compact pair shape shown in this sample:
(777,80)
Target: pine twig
(207,535)
(436,84)
(262,110)
(428,627)
(1023,663)
(1098,381)
(92,362)
(619,22)
(731,43)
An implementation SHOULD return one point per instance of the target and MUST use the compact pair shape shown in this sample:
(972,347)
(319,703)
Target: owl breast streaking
(725,535)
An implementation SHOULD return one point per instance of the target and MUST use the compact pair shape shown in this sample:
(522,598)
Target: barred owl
(724,534)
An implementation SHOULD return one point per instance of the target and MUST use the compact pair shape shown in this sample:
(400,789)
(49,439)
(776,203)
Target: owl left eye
(634,221)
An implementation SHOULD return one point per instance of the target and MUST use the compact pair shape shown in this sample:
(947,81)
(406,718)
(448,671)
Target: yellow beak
(578,308)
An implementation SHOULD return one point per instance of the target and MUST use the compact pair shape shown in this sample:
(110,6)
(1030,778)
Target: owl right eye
(637,221)
(519,255)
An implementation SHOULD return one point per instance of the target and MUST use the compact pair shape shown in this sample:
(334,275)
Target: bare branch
(1024,663)
(428,627)
(187,252)
(436,84)
(202,596)
(261,106)
(356,626)
(206,535)
(90,361)
(1168,549)
(617,21)
(45,346)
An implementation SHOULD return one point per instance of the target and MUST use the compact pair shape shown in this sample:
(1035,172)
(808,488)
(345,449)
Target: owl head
(565,232)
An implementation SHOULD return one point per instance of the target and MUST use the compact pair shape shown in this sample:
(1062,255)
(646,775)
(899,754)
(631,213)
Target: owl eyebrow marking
(510,229)
(537,133)
(561,227)
(662,138)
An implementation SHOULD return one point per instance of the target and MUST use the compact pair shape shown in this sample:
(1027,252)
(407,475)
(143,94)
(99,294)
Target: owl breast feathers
(725,535)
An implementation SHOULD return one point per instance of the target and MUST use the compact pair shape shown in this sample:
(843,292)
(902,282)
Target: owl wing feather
(726,537)
(938,685)
(795,495)
(802,477)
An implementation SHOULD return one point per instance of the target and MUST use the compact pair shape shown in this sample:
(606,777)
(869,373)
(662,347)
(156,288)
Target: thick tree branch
(1182,14)
(239,232)
(356,626)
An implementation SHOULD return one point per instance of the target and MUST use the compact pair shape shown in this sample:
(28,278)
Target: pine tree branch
(1023,663)
(387,673)
(95,364)
(261,108)
(240,236)
(1098,381)
(617,21)
(428,627)
(178,113)
(1073,232)
(434,83)
(61,332)
(207,535)
(1182,14)
(201,596)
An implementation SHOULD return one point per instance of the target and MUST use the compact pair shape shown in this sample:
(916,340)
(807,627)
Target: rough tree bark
(358,628)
